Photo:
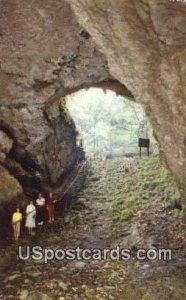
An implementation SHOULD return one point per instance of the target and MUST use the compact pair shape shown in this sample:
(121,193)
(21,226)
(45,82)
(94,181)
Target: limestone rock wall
(145,45)
(5,145)
(44,53)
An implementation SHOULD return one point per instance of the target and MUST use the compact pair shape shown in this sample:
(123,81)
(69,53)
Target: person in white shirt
(40,205)
(30,217)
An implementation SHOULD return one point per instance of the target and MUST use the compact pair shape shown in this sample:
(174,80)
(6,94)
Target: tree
(108,123)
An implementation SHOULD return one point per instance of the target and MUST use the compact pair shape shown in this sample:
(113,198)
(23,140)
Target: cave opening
(52,48)
(109,124)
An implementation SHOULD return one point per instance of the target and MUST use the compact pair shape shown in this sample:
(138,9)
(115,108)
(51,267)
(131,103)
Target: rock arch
(45,53)
(144,43)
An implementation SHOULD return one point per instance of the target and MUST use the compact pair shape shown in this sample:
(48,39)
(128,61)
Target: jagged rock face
(5,145)
(43,54)
(144,42)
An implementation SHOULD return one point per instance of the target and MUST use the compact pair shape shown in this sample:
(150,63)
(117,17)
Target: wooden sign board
(144,143)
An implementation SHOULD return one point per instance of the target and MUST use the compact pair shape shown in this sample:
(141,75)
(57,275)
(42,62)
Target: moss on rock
(9,186)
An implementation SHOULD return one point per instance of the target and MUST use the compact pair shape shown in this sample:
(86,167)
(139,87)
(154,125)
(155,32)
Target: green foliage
(108,123)
(57,109)
(126,214)
(150,183)
(64,111)
(123,205)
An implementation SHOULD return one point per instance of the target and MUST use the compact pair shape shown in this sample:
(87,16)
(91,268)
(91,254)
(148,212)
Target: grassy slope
(143,182)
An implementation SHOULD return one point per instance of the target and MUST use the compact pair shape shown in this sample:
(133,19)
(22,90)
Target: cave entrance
(108,124)
(124,186)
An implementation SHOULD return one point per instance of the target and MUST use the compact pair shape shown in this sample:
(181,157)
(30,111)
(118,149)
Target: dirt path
(100,219)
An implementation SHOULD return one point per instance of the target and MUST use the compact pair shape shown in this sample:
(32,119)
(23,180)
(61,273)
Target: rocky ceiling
(44,54)
(134,47)
(144,43)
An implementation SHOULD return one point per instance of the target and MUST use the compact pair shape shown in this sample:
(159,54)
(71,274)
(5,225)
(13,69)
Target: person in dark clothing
(50,206)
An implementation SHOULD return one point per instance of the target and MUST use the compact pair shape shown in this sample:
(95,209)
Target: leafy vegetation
(108,124)
(146,183)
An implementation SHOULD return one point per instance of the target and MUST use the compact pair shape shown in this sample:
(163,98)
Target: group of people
(35,214)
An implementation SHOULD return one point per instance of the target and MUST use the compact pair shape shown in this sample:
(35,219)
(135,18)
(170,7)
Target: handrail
(74,180)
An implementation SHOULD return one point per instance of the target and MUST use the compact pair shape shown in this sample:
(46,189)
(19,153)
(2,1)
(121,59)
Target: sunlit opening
(109,124)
